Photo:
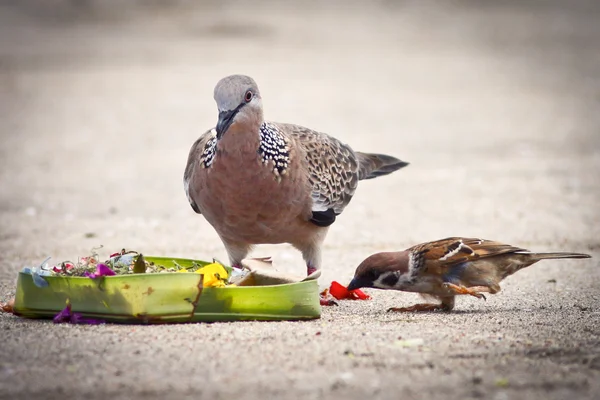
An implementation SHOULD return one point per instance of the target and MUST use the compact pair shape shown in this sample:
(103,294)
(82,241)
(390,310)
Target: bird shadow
(458,312)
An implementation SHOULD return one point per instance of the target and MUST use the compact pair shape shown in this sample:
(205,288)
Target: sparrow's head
(381,270)
(238,100)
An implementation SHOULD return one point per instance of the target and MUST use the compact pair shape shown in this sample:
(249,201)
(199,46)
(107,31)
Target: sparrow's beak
(226,119)
(358,283)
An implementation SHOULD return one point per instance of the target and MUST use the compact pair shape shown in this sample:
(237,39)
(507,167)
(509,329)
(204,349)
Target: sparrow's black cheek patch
(390,280)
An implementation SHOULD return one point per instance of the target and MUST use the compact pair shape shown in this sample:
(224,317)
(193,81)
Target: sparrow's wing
(456,250)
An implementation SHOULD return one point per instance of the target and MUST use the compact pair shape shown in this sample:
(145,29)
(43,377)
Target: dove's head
(238,101)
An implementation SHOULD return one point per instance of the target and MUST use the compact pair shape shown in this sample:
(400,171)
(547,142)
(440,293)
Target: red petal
(339,291)
(360,295)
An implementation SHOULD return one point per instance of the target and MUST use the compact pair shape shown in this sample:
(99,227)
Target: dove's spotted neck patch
(274,147)
(210,149)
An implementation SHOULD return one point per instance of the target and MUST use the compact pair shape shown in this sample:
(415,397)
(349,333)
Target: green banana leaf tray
(165,298)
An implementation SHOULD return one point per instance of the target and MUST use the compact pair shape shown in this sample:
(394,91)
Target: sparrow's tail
(546,256)
(373,165)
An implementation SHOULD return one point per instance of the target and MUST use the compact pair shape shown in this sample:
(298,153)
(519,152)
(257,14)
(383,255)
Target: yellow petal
(214,275)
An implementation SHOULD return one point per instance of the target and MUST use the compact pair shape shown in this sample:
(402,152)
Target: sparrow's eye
(248,96)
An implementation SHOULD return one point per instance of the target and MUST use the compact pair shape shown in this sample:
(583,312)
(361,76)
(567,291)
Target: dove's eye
(248,96)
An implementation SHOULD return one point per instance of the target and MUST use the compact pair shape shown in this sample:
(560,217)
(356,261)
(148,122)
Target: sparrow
(445,268)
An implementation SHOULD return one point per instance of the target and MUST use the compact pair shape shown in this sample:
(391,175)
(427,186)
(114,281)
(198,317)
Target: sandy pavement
(495,107)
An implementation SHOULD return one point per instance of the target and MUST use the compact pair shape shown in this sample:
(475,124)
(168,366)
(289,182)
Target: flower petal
(8,307)
(215,275)
(340,292)
(77,318)
(39,281)
(101,270)
(359,294)
(64,315)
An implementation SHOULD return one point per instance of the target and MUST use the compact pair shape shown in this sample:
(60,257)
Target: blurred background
(494,103)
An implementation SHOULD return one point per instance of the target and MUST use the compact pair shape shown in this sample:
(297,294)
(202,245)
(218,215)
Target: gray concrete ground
(496,106)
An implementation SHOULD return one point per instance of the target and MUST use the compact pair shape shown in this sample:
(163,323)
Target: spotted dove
(260,182)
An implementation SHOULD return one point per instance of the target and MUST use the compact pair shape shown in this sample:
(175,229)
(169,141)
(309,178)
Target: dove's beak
(226,119)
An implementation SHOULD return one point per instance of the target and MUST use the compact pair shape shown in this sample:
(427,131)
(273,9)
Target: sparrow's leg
(455,289)
(447,304)
(488,289)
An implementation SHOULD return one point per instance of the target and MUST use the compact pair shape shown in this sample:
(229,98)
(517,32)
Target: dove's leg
(447,304)
(236,252)
(311,252)
(313,264)
(313,261)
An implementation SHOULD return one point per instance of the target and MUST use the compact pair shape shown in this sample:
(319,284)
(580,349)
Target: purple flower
(101,270)
(66,316)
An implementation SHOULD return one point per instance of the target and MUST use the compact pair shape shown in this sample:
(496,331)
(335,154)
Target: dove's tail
(373,165)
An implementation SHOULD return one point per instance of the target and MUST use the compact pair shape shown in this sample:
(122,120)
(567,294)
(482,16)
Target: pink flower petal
(101,270)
